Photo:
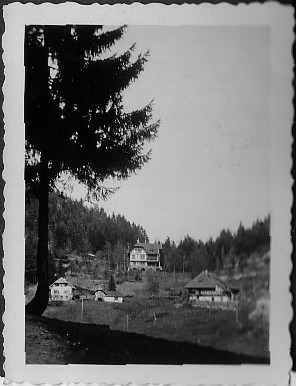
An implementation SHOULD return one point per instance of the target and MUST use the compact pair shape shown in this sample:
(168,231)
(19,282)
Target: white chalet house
(145,256)
(61,290)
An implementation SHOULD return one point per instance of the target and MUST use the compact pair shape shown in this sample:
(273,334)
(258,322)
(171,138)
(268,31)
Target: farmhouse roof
(151,249)
(207,280)
(61,280)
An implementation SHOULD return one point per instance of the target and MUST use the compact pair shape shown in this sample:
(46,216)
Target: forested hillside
(230,251)
(77,231)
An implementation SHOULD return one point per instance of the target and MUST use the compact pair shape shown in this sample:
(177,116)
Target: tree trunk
(39,303)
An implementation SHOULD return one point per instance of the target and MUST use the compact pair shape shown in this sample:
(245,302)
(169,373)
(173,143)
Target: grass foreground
(61,342)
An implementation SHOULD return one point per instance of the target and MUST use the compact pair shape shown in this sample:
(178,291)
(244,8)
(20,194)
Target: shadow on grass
(98,344)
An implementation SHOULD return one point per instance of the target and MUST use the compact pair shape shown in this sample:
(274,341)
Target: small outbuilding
(207,287)
(61,290)
(86,293)
(113,297)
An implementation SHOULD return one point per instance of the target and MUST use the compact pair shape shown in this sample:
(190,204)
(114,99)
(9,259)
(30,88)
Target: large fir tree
(75,121)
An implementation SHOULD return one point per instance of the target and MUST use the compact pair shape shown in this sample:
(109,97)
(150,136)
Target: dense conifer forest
(75,229)
(228,252)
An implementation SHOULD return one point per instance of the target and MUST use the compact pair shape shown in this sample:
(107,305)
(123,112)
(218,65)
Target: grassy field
(160,318)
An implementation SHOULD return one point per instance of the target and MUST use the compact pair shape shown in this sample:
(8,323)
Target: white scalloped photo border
(279,19)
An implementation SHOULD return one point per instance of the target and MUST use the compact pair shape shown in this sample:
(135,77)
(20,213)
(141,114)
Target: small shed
(61,290)
(113,297)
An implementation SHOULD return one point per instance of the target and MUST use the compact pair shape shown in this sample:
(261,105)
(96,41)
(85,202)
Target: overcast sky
(210,163)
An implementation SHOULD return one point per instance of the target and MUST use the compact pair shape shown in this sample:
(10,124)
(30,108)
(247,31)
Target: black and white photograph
(148,215)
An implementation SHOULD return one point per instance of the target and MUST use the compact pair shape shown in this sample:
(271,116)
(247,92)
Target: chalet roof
(151,249)
(207,280)
(61,280)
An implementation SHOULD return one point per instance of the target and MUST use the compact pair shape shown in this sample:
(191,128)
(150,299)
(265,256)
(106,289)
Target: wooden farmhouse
(145,256)
(61,290)
(207,287)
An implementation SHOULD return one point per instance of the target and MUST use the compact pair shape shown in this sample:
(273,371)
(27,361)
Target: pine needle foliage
(74,115)
(73,105)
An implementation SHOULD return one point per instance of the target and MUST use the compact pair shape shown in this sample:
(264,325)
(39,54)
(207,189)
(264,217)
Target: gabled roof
(61,280)
(151,249)
(99,288)
(207,280)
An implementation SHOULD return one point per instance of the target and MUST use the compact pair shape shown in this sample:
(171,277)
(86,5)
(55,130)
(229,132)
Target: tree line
(228,251)
(76,229)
